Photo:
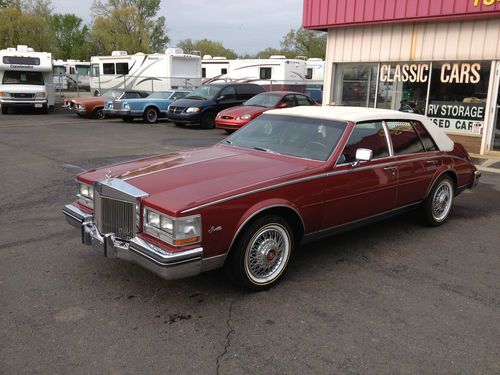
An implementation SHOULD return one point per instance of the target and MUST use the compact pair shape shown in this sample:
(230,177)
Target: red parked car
(290,176)
(232,119)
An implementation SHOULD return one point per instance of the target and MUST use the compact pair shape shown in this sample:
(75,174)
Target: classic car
(93,106)
(202,105)
(232,119)
(150,108)
(290,176)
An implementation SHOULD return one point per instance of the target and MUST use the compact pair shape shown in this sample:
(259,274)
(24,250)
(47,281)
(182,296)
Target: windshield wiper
(265,150)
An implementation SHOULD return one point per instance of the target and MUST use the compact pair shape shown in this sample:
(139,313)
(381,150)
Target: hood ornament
(108,175)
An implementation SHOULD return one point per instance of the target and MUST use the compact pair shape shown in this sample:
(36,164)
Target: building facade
(440,58)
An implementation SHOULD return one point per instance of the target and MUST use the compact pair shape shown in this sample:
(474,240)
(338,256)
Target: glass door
(496,120)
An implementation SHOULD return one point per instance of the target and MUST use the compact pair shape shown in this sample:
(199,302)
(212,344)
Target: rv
(314,77)
(78,74)
(213,67)
(155,72)
(60,79)
(275,73)
(26,79)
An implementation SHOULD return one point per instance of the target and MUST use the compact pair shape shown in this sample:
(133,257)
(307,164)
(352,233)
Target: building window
(265,73)
(355,85)
(403,86)
(457,99)
(108,68)
(121,68)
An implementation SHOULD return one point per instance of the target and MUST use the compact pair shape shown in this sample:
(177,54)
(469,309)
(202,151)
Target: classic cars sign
(457,117)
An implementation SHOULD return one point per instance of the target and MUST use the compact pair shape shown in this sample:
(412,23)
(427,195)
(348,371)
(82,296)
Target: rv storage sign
(457,117)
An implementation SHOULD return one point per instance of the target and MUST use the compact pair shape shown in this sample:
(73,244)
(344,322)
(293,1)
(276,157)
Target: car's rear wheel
(98,113)
(150,115)
(261,254)
(208,120)
(438,204)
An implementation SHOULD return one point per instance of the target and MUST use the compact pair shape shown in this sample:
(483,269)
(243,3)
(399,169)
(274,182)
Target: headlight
(126,106)
(4,94)
(245,117)
(81,106)
(41,95)
(192,109)
(175,231)
(110,105)
(86,194)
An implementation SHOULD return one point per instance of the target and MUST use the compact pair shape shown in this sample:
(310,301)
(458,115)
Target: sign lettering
(450,73)
(487,3)
(458,117)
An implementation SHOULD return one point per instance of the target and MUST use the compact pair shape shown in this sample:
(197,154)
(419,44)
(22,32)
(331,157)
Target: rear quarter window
(425,137)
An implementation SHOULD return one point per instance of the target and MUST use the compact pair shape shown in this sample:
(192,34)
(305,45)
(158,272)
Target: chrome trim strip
(393,210)
(388,138)
(142,247)
(113,185)
(258,212)
(176,166)
(303,179)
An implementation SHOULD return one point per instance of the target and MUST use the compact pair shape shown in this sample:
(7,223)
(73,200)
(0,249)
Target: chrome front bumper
(475,181)
(167,265)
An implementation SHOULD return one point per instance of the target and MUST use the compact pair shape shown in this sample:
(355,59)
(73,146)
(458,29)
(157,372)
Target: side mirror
(362,154)
(222,97)
(282,105)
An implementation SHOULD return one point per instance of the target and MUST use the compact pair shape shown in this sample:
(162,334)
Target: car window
(131,95)
(228,93)
(290,135)
(405,139)
(302,100)
(425,137)
(370,135)
(179,95)
(288,100)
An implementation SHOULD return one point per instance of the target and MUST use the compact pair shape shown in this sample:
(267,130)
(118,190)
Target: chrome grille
(117,104)
(176,110)
(116,216)
(20,95)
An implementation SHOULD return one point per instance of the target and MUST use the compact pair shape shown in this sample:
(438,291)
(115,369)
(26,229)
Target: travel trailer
(78,74)
(213,68)
(275,73)
(60,79)
(155,72)
(314,77)
(26,79)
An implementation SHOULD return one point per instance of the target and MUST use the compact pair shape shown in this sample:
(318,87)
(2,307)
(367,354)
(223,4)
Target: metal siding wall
(465,40)
(329,13)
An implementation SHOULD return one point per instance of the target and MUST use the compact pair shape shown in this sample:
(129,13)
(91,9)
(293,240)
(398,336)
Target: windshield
(289,135)
(160,95)
(112,94)
(264,100)
(11,77)
(205,92)
(83,70)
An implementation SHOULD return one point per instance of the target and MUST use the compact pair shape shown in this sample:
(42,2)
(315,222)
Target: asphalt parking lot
(393,297)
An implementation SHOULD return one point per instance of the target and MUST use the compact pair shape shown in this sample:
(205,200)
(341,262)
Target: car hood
(23,88)
(181,180)
(93,99)
(191,102)
(140,100)
(243,110)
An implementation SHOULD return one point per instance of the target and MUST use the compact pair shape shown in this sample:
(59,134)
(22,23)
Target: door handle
(391,169)
(432,162)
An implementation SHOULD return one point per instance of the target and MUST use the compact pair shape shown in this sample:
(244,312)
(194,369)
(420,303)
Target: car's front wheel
(150,115)
(208,120)
(98,113)
(438,204)
(261,254)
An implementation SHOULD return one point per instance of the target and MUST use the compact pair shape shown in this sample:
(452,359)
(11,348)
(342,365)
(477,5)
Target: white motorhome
(213,67)
(275,73)
(154,72)
(314,77)
(78,74)
(60,79)
(26,79)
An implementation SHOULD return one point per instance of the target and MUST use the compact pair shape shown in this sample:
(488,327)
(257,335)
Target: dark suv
(202,105)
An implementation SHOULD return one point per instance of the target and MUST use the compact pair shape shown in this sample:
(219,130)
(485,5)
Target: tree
(134,18)
(305,42)
(17,27)
(207,47)
(70,37)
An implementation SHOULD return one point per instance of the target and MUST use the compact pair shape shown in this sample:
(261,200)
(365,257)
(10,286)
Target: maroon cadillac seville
(290,176)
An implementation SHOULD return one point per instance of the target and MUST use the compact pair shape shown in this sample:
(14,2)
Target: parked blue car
(150,108)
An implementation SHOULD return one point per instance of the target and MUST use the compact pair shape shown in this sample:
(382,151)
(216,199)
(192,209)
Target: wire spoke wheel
(267,254)
(442,200)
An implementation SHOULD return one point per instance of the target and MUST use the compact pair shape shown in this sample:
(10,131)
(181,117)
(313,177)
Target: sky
(245,26)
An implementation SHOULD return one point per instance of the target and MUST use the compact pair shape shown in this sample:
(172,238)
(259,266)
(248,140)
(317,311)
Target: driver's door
(227,98)
(357,192)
